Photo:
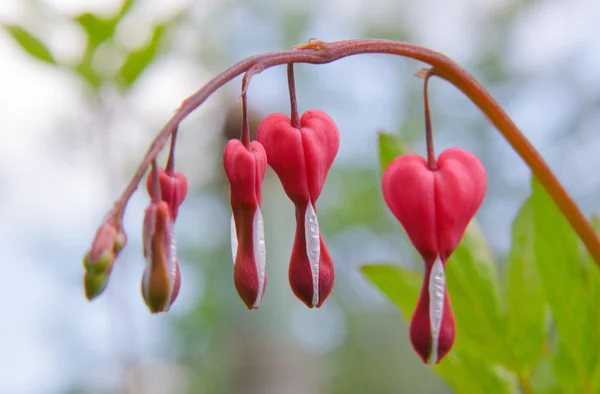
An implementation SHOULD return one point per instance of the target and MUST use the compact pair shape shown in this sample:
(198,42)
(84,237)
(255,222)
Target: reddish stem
(170,168)
(245,137)
(295,118)
(156,197)
(319,52)
(431,162)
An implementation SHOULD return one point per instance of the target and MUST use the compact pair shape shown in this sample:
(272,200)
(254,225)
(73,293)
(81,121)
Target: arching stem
(319,52)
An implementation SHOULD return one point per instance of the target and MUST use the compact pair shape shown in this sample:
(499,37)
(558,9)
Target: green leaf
(98,29)
(527,323)
(32,45)
(127,4)
(390,147)
(593,297)
(463,372)
(563,276)
(473,288)
(137,61)
(543,378)
(401,285)
(470,374)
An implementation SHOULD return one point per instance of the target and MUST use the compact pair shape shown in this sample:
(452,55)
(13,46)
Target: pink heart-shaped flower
(434,207)
(301,158)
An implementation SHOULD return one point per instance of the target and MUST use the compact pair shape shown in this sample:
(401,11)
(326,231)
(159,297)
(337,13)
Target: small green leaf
(125,8)
(98,29)
(593,297)
(137,61)
(473,288)
(390,147)
(468,374)
(401,285)
(32,45)
(543,379)
(564,280)
(464,373)
(527,323)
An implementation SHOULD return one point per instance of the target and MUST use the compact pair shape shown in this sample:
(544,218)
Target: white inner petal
(234,241)
(260,254)
(437,284)
(313,248)
(172,264)
(148,258)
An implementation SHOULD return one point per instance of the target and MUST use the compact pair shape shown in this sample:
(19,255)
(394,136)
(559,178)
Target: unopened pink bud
(162,278)
(109,240)
(173,189)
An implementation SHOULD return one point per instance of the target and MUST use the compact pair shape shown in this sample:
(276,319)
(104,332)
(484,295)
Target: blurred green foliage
(31,44)
(99,31)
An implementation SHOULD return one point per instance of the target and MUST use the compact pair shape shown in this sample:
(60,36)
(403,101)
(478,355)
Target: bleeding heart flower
(434,207)
(301,158)
(173,189)
(162,279)
(245,169)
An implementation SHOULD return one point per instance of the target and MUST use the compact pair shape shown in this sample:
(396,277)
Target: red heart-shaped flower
(245,169)
(300,157)
(435,207)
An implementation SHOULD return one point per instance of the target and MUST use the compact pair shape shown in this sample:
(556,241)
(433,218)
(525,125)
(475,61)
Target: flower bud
(98,262)
(173,189)
(162,279)
(94,284)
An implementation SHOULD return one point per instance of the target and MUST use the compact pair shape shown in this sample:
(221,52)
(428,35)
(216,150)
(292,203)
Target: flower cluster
(161,278)
(433,199)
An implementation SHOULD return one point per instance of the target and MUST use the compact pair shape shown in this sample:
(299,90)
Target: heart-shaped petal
(173,189)
(435,207)
(300,157)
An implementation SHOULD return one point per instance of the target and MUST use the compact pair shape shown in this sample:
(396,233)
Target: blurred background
(78,112)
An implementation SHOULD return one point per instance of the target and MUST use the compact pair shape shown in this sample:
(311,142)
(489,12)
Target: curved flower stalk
(319,52)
